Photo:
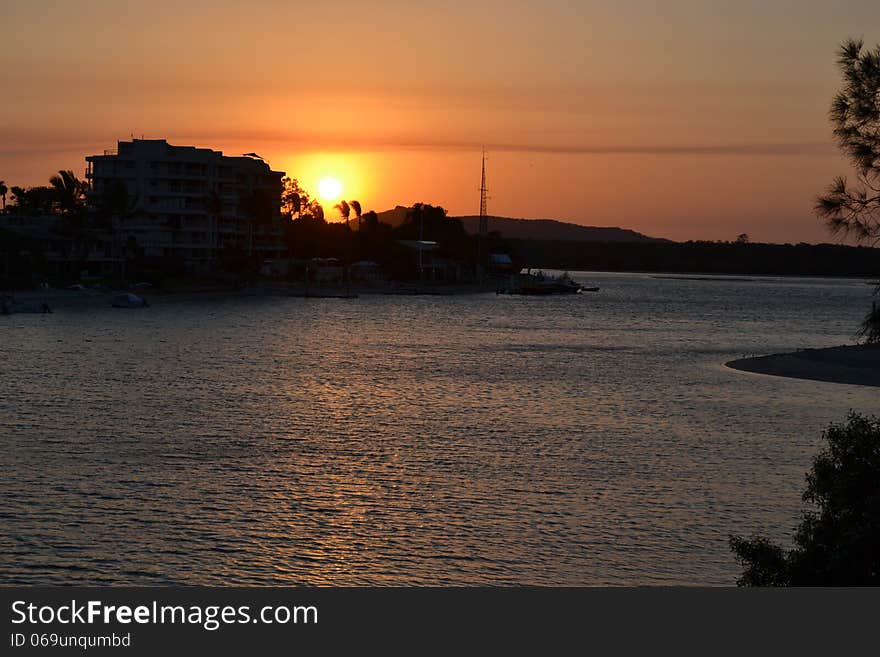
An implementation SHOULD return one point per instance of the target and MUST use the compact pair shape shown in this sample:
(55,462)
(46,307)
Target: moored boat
(8,306)
(129,300)
(541,284)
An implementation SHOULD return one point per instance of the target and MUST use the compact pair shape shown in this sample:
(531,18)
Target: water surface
(481,439)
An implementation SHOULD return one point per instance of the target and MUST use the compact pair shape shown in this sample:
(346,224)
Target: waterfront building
(189,204)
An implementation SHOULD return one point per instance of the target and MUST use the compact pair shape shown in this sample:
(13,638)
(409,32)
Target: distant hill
(535,229)
(394,217)
(700,257)
(551,229)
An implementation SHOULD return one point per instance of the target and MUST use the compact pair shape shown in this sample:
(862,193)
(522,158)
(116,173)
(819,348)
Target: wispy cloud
(367,143)
(35,144)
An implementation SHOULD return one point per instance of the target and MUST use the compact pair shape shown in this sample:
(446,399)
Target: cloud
(50,142)
(367,143)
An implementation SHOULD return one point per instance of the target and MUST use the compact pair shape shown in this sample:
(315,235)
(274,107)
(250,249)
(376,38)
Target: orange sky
(685,119)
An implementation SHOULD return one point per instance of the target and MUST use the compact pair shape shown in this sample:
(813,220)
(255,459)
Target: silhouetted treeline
(700,257)
(311,236)
(837,542)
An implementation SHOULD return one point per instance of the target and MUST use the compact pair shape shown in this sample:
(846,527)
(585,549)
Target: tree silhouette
(838,544)
(69,197)
(294,199)
(371,221)
(854,210)
(19,196)
(260,207)
(3,191)
(344,210)
(34,200)
(69,190)
(356,206)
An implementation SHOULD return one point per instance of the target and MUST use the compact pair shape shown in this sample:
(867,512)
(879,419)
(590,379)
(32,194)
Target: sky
(682,119)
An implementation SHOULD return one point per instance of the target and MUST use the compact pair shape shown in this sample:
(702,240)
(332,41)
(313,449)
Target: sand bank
(856,365)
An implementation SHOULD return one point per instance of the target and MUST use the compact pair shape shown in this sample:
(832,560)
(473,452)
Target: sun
(329,189)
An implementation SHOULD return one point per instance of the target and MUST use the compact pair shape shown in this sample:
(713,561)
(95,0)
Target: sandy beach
(854,364)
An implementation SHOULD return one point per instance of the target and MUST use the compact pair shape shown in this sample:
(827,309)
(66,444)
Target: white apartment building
(190,203)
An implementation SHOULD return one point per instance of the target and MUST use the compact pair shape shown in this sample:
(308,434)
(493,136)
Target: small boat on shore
(129,300)
(541,284)
(9,306)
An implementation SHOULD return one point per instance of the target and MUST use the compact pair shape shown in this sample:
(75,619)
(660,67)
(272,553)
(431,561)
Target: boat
(541,284)
(129,300)
(9,306)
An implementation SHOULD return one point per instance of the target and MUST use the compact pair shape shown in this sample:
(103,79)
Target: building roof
(419,245)
(160,148)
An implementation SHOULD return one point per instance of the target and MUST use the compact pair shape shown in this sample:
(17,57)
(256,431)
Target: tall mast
(484,221)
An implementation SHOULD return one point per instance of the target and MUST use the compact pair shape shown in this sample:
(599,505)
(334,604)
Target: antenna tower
(484,219)
(484,222)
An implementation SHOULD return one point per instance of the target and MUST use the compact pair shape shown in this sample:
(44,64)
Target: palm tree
(69,197)
(70,191)
(356,206)
(344,210)
(3,190)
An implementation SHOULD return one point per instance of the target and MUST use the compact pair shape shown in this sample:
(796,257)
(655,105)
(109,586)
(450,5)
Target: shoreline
(59,298)
(851,365)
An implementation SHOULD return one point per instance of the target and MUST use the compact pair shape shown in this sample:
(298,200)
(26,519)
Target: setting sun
(328,175)
(329,189)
